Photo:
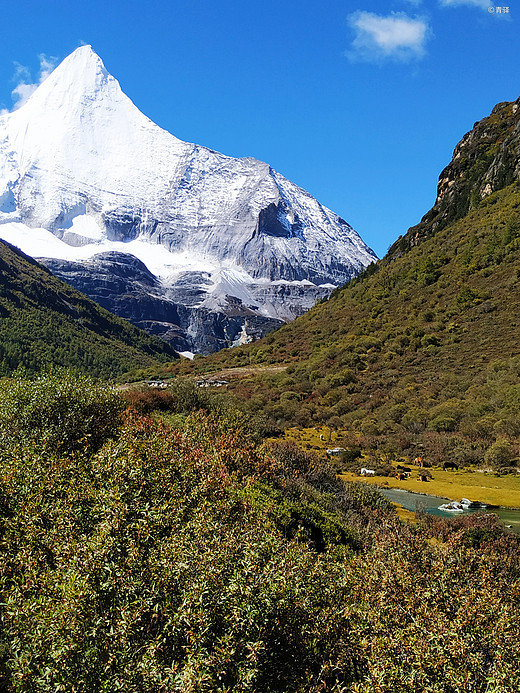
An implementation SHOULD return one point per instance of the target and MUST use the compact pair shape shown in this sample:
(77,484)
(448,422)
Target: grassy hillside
(421,353)
(44,321)
(423,349)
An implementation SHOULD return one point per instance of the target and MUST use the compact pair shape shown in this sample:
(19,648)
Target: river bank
(488,488)
(413,502)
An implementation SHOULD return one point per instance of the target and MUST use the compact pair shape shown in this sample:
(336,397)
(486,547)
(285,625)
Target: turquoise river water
(430,504)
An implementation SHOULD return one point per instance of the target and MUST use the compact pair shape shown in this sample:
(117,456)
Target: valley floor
(486,488)
(477,485)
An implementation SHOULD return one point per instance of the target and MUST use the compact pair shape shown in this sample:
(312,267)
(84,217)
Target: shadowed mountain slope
(44,321)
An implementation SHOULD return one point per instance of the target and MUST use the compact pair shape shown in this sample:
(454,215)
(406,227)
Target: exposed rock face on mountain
(223,241)
(122,284)
(486,160)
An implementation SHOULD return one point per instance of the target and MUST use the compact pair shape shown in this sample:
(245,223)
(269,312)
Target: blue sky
(359,102)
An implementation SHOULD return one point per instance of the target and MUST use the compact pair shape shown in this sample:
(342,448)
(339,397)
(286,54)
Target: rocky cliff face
(84,174)
(486,160)
(123,285)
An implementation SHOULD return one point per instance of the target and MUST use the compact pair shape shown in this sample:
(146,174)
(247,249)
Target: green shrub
(500,454)
(415,419)
(153,566)
(60,410)
(443,422)
(467,296)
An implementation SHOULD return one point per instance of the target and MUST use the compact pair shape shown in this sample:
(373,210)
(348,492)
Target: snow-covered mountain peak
(83,173)
(80,136)
(79,83)
(80,75)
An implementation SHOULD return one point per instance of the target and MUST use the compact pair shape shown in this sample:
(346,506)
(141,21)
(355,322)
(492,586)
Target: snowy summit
(207,249)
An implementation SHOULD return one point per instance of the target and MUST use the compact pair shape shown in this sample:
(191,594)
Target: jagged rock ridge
(486,160)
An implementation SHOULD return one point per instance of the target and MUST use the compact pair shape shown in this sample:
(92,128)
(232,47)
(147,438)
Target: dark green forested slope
(427,341)
(44,321)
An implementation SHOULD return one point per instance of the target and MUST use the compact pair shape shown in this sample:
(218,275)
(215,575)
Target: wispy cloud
(26,86)
(395,36)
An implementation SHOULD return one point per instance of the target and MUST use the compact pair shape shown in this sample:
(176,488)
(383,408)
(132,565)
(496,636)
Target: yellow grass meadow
(477,486)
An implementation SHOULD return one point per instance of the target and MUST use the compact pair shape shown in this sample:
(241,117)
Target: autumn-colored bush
(148,400)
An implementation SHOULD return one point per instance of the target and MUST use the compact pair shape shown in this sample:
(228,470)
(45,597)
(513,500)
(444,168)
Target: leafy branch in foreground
(60,410)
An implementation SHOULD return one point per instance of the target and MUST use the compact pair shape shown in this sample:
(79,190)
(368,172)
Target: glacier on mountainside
(86,179)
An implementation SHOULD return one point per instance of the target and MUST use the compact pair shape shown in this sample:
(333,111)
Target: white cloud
(483,4)
(21,72)
(26,86)
(396,36)
(22,92)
